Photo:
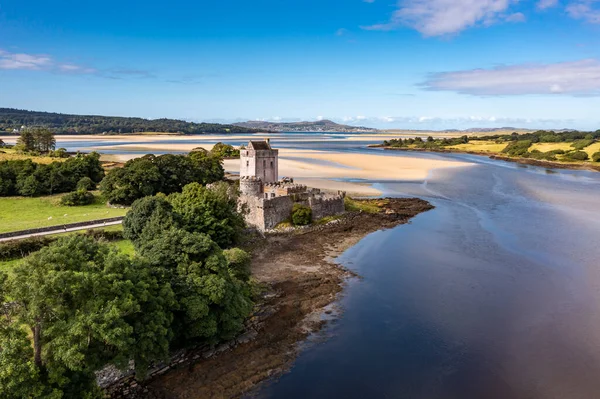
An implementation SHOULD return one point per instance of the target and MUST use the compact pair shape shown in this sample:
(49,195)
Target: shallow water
(494,294)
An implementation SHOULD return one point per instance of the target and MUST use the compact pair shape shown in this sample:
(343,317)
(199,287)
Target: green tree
(596,157)
(86,305)
(212,211)
(213,303)
(147,219)
(137,179)
(26,141)
(222,150)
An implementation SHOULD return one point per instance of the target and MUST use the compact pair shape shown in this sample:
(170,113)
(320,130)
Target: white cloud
(545,4)
(576,78)
(31,62)
(442,17)
(23,61)
(585,10)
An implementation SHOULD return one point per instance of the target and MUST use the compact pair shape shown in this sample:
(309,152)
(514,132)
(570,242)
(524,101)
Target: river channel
(494,294)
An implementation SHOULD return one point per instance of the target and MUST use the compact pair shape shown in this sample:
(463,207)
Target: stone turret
(251,186)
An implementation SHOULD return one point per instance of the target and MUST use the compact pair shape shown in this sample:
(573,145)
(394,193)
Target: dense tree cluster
(517,145)
(165,174)
(543,136)
(77,304)
(36,140)
(27,178)
(11,119)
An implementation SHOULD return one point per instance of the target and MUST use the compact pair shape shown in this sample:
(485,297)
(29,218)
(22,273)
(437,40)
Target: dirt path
(302,278)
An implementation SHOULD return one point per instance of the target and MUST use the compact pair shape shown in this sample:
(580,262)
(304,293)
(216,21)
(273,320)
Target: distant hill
(11,121)
(317,126)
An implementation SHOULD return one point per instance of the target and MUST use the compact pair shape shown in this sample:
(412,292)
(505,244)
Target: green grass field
(592,149)
(480,146)
(545,147)
(8,154)
(21,213)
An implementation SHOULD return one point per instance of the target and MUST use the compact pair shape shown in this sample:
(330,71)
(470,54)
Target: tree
(165,174)
(26,141)
(209,211)
(147,219)
(137,179)
(222,150)
(596,157)
(86,305)
(208,168)
(213,303)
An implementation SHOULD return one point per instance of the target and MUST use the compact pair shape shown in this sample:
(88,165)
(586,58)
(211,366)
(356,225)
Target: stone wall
(265,214)
(327,205)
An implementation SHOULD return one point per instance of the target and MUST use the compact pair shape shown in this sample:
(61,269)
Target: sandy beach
(328,170)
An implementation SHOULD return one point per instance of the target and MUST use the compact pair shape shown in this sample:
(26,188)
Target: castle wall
(265,214)
(326,206)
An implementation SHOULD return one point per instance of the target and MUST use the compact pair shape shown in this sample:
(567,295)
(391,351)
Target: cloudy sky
(420,64)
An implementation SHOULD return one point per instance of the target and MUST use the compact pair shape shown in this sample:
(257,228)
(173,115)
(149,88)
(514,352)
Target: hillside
(316,126)
(11,120)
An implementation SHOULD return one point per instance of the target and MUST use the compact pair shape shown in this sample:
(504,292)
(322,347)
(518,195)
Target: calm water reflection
(494,294)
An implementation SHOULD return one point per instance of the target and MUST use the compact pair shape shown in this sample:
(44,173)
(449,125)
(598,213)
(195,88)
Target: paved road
(61,230)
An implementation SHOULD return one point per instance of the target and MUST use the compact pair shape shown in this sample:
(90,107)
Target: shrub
(576,156)
(517,148)
(581,144)
(77,198)
(21,248)
(301,215)
(239,263)
(596,157)
(85,183)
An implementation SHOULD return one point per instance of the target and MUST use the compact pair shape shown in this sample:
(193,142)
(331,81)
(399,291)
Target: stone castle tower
(259,161)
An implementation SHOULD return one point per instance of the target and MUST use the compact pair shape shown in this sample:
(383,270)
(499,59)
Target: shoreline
(303,282)
(495,156)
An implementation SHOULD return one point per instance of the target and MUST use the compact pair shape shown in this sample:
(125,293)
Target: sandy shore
(320,169)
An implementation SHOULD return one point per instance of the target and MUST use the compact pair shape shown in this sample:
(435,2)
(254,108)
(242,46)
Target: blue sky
(419,64)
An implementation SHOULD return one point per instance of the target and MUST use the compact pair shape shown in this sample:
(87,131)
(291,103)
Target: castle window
(271,163)
(247,164)
(264,164)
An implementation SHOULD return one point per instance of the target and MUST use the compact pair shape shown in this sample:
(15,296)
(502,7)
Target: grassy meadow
(21,213)
(8,154)
(479,146)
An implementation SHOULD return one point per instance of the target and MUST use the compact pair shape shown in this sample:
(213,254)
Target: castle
(268,200)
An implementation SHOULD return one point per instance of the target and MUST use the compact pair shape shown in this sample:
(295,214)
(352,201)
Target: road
(61,230)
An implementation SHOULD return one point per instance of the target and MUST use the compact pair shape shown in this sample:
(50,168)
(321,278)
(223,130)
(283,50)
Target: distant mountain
(12,120)
(324,125)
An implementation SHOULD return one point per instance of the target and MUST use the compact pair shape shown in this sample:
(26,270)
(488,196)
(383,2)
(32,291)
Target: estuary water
(493,294)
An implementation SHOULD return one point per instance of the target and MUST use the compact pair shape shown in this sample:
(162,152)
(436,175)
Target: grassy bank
(22,213)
